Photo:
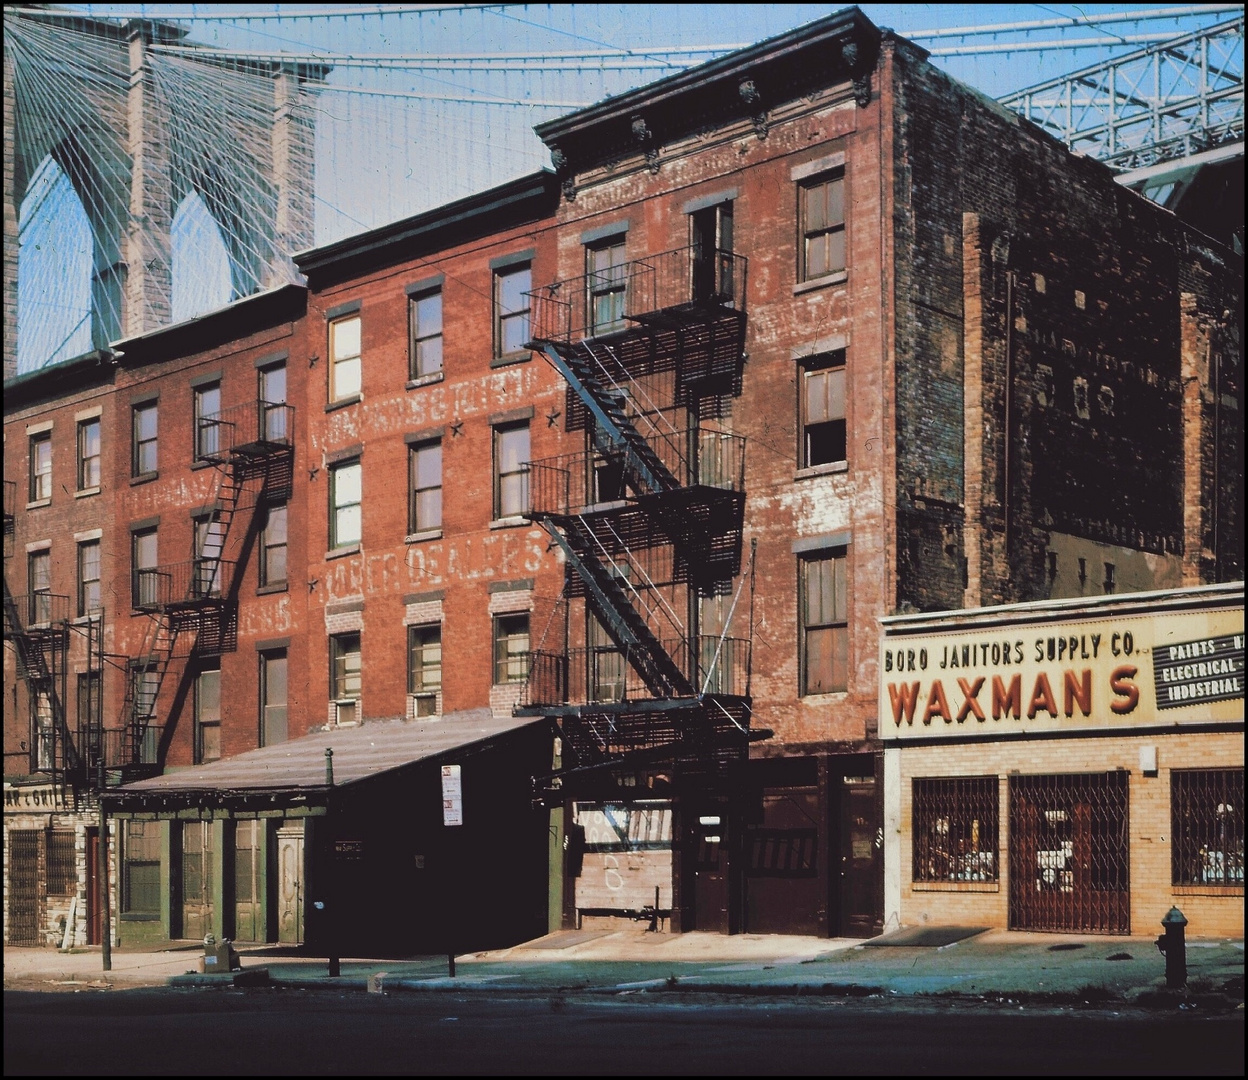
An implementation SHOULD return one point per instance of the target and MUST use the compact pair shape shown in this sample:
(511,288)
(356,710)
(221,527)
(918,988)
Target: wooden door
(290,885)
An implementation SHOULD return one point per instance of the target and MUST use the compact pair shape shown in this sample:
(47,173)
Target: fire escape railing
(573,310)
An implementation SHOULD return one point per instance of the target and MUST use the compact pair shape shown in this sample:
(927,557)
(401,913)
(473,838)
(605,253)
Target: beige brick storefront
(1080,787)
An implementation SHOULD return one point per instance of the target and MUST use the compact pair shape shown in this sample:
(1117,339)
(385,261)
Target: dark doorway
(710,873)
(859,840)
(95,901)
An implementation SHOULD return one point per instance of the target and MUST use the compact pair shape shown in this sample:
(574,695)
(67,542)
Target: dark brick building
(631,458)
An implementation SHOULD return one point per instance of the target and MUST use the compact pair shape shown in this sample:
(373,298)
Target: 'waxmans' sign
(1161,669)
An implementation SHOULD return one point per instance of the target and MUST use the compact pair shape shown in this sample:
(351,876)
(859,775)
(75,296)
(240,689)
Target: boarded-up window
(825,630)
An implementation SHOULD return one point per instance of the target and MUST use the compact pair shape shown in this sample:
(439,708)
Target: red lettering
(1080,692)
(1042,698)
(903,699)
(937,705)
(1006,701)
(1120,683)
(969,704)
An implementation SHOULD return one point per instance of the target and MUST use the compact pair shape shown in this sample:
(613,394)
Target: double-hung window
(425,324)
(425,490)
(273,697)
(39,568)
(209,547)
(345,676)
(511,648)
(89,454)
(822,212)
(825,623)
(424,667)
(823,410)
(41,467)
(606,282)
(345,497)
(88,577)
(273,546)
(145,587)
(511,470)
(208,715)
(345,366)
(511,309)
(272,391)
(143,456)
(207,413)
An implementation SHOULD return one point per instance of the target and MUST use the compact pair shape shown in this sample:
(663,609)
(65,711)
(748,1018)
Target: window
(1207,827)
(511,310)
(209,545)
(345,495)
(823,410)
(511,648)
(425,317)
(425,496)
(145,585)
(207,420)
(954,829)
(62,874)
(344,674)
(511,471)
(273,699)
(607,280)
(272,391)
(823,226)
(39,569)
(606,663)
(88,577)
(145,688)
(88,454)
(273,547)
(44,733)
(140,888)
(825,631)
(144,439)
(711,241)
(344,357)
(208,716)
(41,467)
(424,667)
(89,716)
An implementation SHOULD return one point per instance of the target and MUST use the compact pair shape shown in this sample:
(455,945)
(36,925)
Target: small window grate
(1207,827)
(955,829)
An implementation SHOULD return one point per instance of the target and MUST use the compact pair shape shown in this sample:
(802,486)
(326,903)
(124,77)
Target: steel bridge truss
(1172,100)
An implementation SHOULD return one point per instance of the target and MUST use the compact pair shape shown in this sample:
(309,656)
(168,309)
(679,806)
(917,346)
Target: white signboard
(452,796)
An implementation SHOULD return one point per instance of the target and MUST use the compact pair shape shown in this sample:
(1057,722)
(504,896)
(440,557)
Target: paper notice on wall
(452,796)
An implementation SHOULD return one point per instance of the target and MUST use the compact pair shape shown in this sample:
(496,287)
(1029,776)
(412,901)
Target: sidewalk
(988,965)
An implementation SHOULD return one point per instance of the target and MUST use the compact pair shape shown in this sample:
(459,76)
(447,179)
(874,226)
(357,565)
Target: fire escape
(646,662)
(197,599)
(37,623)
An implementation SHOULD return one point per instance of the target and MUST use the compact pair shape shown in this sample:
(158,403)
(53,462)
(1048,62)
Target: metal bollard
(1173,945)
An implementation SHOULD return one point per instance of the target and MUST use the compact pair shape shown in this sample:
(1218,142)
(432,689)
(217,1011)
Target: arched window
(53,271)
(200,261)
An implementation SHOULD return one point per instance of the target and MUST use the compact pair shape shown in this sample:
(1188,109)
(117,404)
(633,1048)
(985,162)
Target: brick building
(603,480)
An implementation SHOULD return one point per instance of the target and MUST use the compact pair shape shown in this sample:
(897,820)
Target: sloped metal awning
(293,777)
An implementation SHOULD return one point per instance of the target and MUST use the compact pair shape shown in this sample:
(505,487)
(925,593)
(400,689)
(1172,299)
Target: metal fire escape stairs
(184,603)
(664,501)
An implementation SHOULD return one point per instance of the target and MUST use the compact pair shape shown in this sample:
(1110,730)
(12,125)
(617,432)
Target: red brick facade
(1042,398)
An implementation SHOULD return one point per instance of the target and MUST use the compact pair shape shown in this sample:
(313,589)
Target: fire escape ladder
(33,667)
(614,432)
(620,618)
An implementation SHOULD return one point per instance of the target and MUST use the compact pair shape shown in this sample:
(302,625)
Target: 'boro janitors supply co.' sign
(1037,674)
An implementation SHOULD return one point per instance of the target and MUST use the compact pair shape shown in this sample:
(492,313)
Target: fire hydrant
(1173,946)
